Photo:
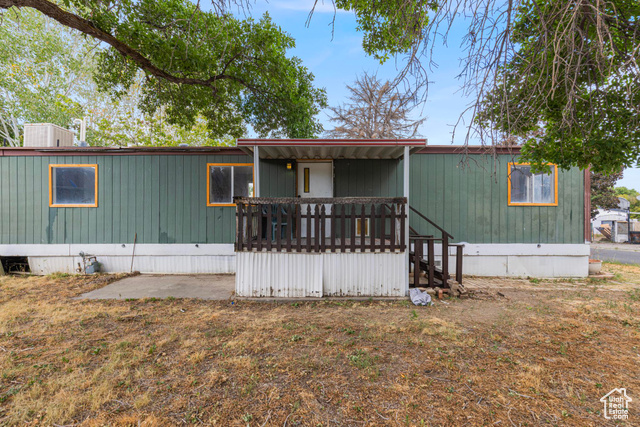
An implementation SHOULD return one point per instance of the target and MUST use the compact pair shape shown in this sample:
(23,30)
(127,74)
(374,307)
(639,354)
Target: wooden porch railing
(435,276)
(340,224)
(426,262)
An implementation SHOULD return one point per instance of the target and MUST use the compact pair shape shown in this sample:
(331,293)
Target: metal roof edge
(469,149)
(243,142)
(105,151)
(244,147)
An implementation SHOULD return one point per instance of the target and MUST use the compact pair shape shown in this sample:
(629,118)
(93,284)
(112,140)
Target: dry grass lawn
(520,353)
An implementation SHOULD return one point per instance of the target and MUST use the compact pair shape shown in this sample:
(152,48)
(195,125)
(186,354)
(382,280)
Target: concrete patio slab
(203,286)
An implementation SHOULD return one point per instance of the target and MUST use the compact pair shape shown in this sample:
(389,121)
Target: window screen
(227,182)
(530,188)
(73,185)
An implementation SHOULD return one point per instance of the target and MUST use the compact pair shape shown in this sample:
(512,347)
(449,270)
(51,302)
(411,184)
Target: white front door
(315,179)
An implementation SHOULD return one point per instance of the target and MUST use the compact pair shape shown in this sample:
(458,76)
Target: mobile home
(295,217)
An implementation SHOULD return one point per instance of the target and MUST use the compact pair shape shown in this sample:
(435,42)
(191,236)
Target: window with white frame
(534,189)
(227,181)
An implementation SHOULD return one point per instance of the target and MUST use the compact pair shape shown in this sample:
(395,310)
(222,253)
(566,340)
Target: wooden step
(424,282)
(424,266)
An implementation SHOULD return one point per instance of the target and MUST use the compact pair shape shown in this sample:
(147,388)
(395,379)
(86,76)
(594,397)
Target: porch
(331,240)
(314,247)
(354,247)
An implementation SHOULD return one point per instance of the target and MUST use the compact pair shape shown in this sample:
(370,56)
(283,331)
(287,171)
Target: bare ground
(519,352)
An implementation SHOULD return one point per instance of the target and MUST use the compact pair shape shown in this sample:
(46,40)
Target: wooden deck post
(363,235)
(372,229)
(353,228)
(431,262)
(240,219)
(459,249)
(343,229)
(316,220)
(334,225)
(383,221)
(323,228)
(308,228)
(445,259)
(269,225)
(392,232)
(289,227)
(279,227)
(260,216)
(249,226)
(417,257)
(298,228)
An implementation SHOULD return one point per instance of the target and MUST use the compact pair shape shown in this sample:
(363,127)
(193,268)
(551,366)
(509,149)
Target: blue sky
(338,60)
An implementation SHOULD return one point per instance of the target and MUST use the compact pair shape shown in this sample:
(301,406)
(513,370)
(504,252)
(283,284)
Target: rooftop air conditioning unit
(46,135)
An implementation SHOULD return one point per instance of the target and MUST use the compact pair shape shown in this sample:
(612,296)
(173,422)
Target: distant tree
(566,68)
(571,87)
(46,75)
(43,73)
(627,192)
(376,110)
(120,122)
(569,70)
(603,195)
(234,73)
(632,196)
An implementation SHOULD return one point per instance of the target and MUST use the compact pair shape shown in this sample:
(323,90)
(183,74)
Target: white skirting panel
(364,274)
(351,274)
(296,275)
(149,258)
(52,264)
(522,260)
(201,264)
(274,274)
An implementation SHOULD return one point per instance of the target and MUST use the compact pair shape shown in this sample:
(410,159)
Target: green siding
(470,201)
(367,178)
(276,180)
(160,197)
(163,199)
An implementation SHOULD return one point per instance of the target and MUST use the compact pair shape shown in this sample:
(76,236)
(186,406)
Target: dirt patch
(539,353)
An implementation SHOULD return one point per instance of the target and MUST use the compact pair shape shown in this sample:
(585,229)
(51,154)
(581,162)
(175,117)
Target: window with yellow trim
(528,188)
(73,186)
(228,181)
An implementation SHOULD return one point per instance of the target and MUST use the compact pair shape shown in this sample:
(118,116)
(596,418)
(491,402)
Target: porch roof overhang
(325,149)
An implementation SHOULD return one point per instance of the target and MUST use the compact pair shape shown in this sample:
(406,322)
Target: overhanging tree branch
(198,65)
(87,27)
